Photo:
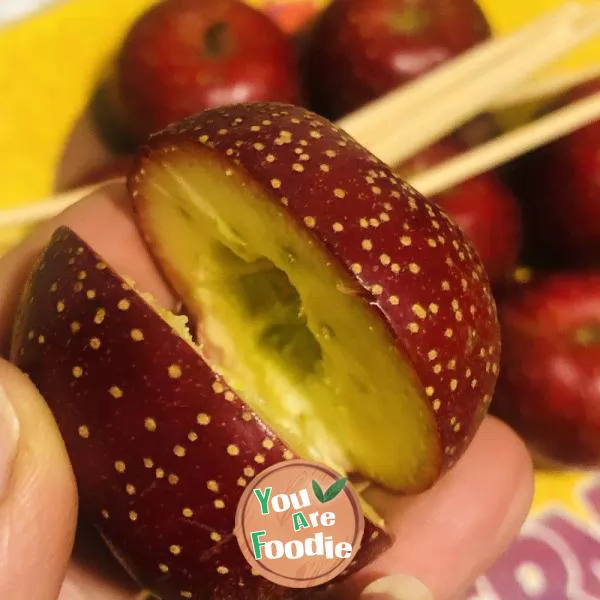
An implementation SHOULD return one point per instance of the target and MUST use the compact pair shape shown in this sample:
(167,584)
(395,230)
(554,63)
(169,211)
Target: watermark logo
(299,524)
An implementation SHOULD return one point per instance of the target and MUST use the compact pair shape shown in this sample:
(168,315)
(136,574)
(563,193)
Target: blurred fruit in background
(183,56)
(362,49)
(559,186)
(483,207)
(549,387)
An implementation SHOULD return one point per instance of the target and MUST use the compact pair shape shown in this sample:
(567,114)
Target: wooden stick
(460,104)
(463,68)
(47,208)
(435,180)
(505,148)
(550,85)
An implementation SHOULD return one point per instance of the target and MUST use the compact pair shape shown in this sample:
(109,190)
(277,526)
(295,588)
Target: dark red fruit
(560,188)
(362,49)
(183,56)
(483,207)
(339,317)
(161,447)
(549,387)
(368,242)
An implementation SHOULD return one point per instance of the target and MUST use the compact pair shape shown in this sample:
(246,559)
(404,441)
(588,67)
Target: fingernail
(396,587)
(9,440)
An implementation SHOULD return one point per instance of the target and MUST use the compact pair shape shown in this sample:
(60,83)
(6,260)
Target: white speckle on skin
(233,450)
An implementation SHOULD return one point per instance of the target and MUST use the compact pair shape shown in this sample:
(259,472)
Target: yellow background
(48,70)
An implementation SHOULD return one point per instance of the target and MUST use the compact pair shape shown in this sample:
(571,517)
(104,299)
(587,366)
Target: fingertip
(38,510)
(85,584)
(519,463)
(40,445)
(449,535)
(396,587)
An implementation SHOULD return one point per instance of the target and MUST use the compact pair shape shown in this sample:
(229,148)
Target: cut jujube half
(161,446)
(347,311)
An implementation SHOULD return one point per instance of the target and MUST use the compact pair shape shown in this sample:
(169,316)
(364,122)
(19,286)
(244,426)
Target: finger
(94,570)
(105,221)
(83,153)
(38,501)
(83,583)
(452,533)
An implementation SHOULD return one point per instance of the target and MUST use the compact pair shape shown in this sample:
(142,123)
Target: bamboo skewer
(47,208)
(550,85)
(506,147)
(460,70)
(435,180)
(460,104)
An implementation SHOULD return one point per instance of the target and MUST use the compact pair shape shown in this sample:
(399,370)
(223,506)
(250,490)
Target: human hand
(445,537)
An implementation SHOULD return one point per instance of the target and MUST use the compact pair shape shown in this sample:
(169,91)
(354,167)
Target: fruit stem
(217,40)
(588,335)
(410,21)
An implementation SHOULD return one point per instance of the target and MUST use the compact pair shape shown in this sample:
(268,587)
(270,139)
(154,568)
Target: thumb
(38,501)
